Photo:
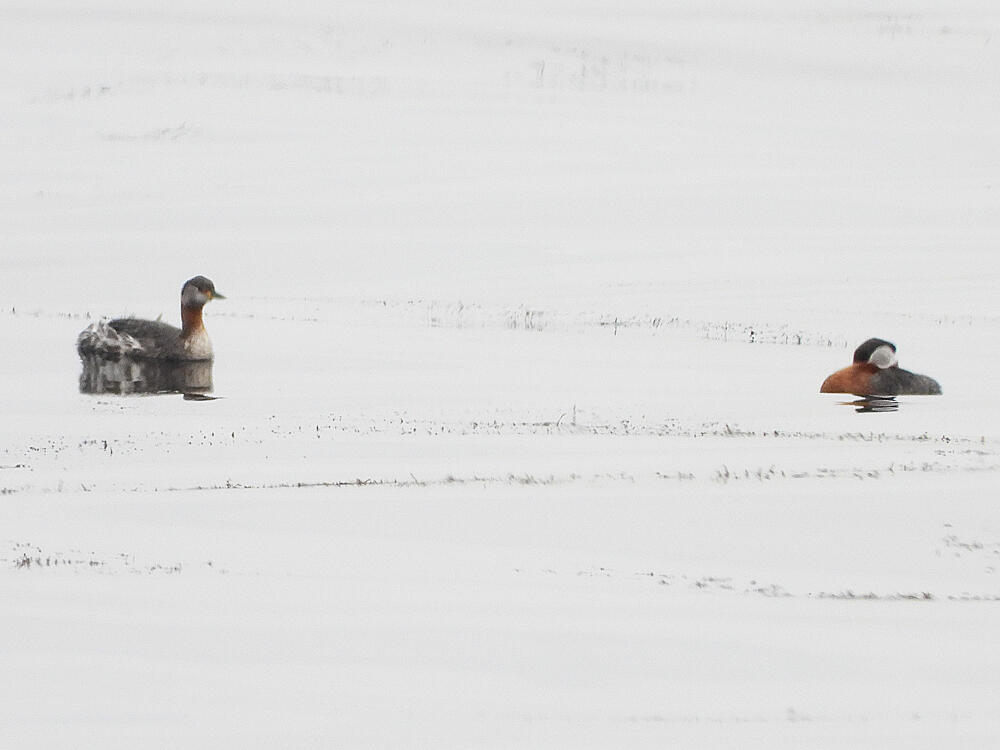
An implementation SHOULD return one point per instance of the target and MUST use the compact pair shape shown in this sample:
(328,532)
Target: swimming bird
(154,339)
(875,372)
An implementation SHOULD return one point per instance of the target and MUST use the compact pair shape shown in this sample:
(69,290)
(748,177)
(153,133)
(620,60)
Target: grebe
(875,373)
(153,339)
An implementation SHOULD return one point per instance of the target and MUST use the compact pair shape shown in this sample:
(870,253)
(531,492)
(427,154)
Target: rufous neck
(191,320)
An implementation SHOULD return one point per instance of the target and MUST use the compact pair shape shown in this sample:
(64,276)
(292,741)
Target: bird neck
(191,321)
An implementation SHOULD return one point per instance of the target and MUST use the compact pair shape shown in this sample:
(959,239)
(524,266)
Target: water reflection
(127,376)
(866,404)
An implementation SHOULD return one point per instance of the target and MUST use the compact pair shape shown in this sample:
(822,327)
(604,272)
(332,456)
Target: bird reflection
(128,376)
(868,404)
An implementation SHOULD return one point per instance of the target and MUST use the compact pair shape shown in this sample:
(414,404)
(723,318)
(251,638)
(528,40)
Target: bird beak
(216,295)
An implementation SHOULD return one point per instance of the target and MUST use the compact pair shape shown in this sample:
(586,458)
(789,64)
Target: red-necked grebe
(153,339)
(875,373)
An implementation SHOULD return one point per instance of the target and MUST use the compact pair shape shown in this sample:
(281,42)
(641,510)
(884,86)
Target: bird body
(154,339)
(875,372)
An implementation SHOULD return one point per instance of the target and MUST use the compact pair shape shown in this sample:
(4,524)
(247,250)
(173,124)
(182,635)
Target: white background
(519,442)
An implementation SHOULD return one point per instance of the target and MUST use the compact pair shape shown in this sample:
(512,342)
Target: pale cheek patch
(193,297)
(883,357)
